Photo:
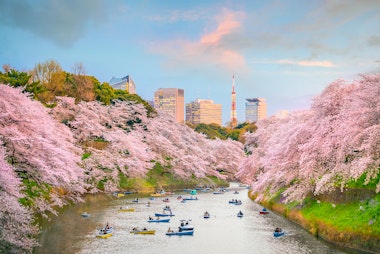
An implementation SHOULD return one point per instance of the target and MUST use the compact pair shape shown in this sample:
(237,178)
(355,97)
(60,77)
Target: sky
(286,51)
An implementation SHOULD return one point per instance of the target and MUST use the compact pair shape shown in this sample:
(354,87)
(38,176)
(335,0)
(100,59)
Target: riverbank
(353,224)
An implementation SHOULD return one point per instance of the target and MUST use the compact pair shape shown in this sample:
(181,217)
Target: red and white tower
(233,122)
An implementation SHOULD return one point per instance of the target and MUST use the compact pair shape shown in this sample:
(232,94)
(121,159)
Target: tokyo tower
(233,104)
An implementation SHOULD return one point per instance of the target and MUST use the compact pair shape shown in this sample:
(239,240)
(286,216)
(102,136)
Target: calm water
(223,233)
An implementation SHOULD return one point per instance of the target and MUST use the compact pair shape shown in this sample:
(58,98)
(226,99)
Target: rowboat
(158,220)
(206,215)
(126,209)
(264,211)
(240,214)
(235,202)
(191,198)
(103,235)
(143,231)
(85,215)
(158,194)
(163,214)
(105,232)
(187,232)
(278,232)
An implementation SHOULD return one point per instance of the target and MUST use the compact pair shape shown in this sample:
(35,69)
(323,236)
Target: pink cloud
(307,63)
(226,26)
(209,49)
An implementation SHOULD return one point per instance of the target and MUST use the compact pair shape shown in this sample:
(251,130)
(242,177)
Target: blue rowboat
(163,214)
(159,220)
(186,232)
(278,234)
(196,198)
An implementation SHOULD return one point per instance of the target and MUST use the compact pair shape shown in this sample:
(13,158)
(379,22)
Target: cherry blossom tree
(40,149)
(310,152)
(15,220)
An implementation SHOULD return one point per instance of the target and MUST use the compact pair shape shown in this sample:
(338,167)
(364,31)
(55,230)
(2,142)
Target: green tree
(103,92)
(15,78)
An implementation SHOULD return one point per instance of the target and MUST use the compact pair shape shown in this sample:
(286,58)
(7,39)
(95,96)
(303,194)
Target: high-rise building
(255,109)
(170,101)
(204,111)
(125,83)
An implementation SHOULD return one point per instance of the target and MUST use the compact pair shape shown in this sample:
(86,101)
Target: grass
(361,217)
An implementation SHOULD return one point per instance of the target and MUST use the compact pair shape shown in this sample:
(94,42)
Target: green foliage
(100,184)
(234,134)
(213,131)
(86,155)
(218,182)
(124,182)
(14,78)
(360,183)
(104,93)
(33,190)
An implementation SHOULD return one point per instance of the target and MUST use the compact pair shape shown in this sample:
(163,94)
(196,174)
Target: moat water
(222,233)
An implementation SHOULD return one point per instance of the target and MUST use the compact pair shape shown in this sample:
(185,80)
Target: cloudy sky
(285,51)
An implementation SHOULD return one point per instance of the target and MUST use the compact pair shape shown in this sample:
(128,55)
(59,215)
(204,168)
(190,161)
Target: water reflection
(222,233)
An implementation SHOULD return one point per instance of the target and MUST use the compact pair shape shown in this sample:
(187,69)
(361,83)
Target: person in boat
(182,224)
(240,213)
(264,209)
(179,229)
(169,230)
(134,229)
(107,226)
(278,230)
(144,229)
(150,218)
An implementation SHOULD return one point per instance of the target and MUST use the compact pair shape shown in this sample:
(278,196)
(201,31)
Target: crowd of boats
(184,227)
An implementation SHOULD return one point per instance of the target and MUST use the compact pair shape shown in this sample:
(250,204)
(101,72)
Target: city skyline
(284,51)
